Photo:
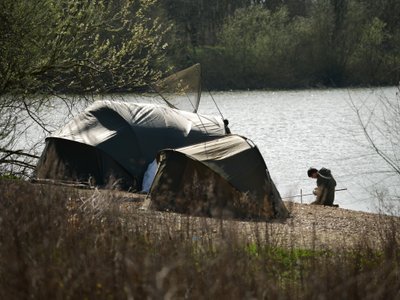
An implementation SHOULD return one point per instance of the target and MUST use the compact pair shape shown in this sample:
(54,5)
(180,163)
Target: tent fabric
(226,176)
(128,134)
(181,90)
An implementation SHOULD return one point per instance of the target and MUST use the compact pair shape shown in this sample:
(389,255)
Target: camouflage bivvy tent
(225,177)
(202,170)
(113,142)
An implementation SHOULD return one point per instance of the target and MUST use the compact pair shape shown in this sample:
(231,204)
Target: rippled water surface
(295,130)
(298,129)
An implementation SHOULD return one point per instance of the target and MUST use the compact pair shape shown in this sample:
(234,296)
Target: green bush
(69,46)
(335,44)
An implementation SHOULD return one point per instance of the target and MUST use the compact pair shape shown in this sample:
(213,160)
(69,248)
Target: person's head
(312,172)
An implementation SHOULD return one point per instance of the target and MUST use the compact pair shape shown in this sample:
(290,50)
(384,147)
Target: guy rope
(310,194)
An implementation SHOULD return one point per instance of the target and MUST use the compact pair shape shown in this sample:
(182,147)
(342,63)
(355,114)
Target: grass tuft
(64,244)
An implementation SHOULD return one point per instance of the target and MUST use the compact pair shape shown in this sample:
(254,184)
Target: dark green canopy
(223,176)
(117,140)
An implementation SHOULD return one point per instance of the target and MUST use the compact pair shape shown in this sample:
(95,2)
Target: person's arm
(321,194)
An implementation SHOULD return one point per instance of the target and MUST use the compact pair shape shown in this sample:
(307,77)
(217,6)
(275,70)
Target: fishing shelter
(225,177)
(116,141)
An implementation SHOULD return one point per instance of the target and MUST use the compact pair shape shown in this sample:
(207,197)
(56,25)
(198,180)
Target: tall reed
(62,244)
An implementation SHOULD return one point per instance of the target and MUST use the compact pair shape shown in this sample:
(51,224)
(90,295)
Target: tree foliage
(85,46)
(305,44)
(49,48)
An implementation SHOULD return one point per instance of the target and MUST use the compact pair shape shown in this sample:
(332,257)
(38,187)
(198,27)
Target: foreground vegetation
(59,245)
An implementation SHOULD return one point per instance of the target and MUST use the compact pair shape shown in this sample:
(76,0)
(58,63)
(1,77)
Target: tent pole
(301,195)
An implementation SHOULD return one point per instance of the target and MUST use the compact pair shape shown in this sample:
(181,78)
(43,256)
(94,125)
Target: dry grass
(59,243)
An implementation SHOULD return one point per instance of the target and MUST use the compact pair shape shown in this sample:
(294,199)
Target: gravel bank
(309,226)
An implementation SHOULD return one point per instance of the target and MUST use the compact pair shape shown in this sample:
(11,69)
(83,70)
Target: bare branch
(381,125)
(19,163)
(36,120)
(16,152)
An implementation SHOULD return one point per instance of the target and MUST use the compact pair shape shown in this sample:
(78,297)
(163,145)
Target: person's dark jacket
(325,187)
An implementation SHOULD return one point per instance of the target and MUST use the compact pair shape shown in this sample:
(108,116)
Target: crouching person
(325,190)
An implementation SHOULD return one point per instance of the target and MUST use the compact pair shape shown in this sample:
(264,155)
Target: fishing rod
(216,105)
(301,195)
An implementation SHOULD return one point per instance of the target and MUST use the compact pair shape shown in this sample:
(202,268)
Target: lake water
(295,130)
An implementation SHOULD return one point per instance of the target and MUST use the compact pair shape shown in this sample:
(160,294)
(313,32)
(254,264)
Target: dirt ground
(309,226)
